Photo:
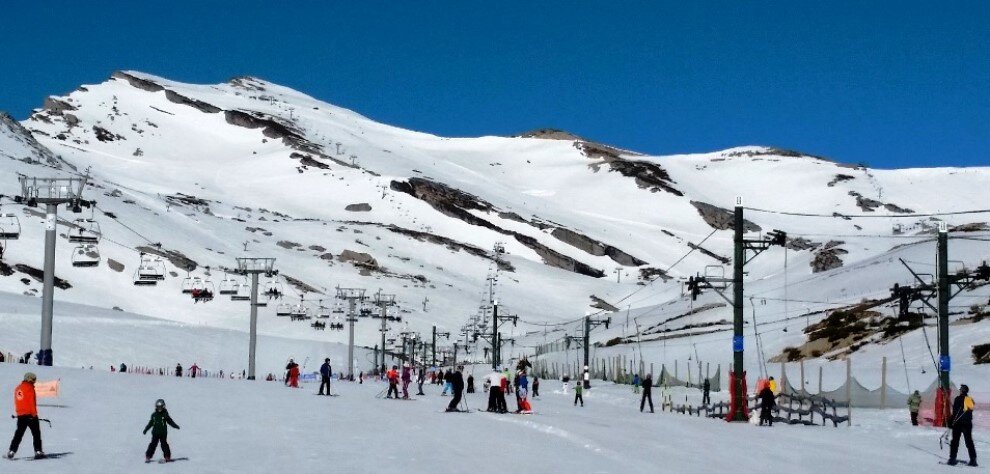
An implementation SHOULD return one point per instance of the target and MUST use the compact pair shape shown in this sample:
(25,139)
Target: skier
(962,425)
(705,388)
(494,381)
(292,374)
(420,379)
(457,385)
(587,378)
(447,383)
(159,431)
(767,402)
(26,408)
(178,370)
(406,379)
(636,383)
(522,392)
(578,390)
(361,378)
(393,382)
(325,376)
(123,367)
(914,404)
(536,387)
(193,370)
(647,393)
(470,384)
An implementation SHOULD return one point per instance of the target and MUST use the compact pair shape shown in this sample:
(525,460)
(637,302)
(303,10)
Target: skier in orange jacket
(26,407)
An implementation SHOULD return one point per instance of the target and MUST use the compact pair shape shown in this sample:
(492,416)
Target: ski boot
(952,462)
(39,455)
(972,463)
(10,455)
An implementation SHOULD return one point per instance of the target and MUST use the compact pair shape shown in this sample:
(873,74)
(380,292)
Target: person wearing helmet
(158,424)
(26,408)
(962,426)
(325,372)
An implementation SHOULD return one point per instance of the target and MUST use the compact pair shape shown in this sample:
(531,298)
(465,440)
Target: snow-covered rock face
(250,168)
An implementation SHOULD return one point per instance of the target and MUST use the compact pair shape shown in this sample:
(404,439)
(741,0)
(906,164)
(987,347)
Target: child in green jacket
(159,431)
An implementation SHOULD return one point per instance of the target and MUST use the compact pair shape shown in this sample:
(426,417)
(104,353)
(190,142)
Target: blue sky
(891,84)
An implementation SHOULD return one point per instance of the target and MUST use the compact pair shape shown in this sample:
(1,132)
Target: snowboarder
(406,380)
(636,383)
(292,374)
(578,389)
(26,408)
(914,404)
(536,387)
(393,382)
(705,388)
(962,426)
(159,431)
(178,370)
(767,402)
(647,393)
(325,377)
(457,386)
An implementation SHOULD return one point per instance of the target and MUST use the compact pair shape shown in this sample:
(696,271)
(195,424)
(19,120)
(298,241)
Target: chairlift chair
(86,255)
(86,231)
(319,326)
(189,283)
(322,312)
(299,312)
(273,289)
(283,309)
(228,286)
(337,309)
(10,227)
(243,293)
(203,291)
(151,270)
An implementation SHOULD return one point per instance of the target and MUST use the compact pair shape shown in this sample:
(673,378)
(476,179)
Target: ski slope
(241,426)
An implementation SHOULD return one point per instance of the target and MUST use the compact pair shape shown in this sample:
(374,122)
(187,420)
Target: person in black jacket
(705,389)
(962,425)
(325,372)
(178,370)
(159,431)
(420,379)
(470,384)
(647,393)
(457,383)
(767,402)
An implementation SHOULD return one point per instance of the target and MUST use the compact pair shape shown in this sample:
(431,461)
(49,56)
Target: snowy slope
(277,169)
(237,426)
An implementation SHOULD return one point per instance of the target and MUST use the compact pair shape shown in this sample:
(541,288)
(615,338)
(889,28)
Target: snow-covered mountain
(251,168)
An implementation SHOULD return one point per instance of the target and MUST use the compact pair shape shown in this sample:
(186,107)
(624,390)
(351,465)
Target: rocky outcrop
(721,219)
(137,82)
(39,275)
(14,130)
(550,134)
(199,105)
(56,106)
(359,207)
(596,248)
(456,203)
(646,174)
(827,257)
(839,178)
(358,259)
(307,160)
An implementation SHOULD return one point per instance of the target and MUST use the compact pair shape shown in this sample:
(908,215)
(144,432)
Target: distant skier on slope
(647,393)
(393,382)
(914,404)
(495,399)
(578,391)
(193,370)
(420,379)
(470,384)
(447,383)
(767,401)
(26,408)
(457,385)
(962,426)
(706,398)
(292,374)
(325,373)
(178,370)
(536,387)
(158,424)
(636,383)
(406,380)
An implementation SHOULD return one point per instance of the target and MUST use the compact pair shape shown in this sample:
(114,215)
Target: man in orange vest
(27,416)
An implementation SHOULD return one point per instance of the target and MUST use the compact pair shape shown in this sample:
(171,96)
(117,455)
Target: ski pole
(39,419)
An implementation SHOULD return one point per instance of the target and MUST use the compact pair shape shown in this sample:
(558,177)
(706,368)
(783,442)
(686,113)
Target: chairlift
(322,312)
(228,286)
(85,231)
(10,227)
(190,282)
(299,312)
(337,308)
(87,255)
(243,293)
(715,275)
(283,309)
(203,290)
(319,325)
(274,290)
(150,271)
(364,312)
